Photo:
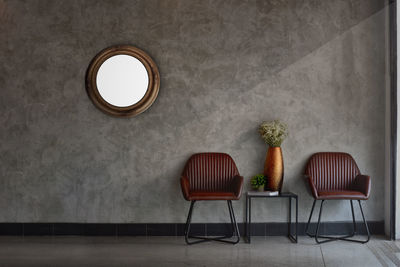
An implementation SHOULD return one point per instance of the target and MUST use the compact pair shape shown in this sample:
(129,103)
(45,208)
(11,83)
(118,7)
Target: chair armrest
(312,187)
(237,185)
(185,187)
(362,183)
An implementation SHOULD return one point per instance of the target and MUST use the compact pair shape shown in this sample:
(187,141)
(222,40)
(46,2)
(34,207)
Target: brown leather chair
(211,176)
(335,176)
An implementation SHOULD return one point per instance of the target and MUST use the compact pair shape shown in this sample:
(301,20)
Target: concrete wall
(225,67)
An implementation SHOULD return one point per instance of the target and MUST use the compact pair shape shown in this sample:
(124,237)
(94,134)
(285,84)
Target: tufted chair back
(210,172)
(332,170)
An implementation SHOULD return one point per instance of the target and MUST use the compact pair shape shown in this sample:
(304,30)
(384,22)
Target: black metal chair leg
(316,235)
(365,223)
(235,229)
(189,217)
(234,223)
(187,226)
(309,219)
(230,216)
(354,218)
(344,238)
(355,229)
(318,224)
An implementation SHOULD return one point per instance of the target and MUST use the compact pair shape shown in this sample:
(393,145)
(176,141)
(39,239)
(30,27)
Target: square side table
(289,195)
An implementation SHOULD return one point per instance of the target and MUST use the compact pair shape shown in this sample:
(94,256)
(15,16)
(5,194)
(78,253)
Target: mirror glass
(122,80)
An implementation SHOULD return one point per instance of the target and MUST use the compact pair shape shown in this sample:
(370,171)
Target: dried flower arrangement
(273,132)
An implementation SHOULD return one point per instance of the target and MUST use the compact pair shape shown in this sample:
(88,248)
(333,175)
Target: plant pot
(273,169)
(261,188)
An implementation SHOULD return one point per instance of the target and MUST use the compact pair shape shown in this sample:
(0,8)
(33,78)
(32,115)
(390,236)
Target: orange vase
(273,169)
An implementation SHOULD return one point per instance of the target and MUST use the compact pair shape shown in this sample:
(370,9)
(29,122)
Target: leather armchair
(211,176)
(336,176)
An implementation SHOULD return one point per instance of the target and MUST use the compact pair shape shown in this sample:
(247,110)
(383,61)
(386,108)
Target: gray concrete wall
(225,67)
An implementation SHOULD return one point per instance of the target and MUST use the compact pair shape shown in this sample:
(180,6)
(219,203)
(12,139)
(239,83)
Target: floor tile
(173,251)
(344,253)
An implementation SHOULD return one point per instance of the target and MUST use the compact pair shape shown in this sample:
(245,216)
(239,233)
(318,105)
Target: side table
(255,194)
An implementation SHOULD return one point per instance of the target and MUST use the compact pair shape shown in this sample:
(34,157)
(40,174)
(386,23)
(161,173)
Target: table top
(262,194)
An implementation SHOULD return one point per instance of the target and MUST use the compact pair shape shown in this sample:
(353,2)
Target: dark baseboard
(175,229)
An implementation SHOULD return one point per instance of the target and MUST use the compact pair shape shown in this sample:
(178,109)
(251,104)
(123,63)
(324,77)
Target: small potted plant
(258,182)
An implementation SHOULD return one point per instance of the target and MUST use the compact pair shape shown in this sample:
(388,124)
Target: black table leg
(249,237)
(290,235)
(246,225)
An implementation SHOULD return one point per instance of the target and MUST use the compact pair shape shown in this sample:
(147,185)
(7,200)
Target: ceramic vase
(273,169)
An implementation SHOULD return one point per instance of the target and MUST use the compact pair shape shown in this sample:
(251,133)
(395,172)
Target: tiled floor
(172,251)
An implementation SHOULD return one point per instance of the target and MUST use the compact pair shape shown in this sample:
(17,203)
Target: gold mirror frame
(152,89)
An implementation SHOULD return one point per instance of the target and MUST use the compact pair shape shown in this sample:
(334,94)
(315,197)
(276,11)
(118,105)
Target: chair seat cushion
(341,194)
(217,195)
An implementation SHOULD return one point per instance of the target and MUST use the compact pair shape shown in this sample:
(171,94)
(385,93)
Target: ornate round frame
(152,90)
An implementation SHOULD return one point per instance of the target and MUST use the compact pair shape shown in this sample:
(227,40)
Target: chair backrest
(210,171)
(332,170)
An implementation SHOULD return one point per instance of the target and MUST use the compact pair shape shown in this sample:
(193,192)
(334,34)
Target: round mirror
(122,81)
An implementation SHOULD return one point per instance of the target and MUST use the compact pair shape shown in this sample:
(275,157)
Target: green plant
(258,180)
(273,132)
